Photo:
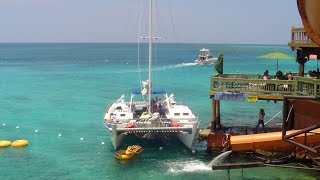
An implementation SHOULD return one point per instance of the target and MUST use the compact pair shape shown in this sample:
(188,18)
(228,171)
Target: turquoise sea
(55,95)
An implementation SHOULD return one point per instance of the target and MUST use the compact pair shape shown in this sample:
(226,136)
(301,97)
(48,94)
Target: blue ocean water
(55,96)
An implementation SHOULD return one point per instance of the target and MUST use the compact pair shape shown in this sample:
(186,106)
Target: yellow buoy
(19,143)
(5,143)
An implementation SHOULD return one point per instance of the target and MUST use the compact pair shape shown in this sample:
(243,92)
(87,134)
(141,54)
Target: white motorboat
(145,116)
(205,57)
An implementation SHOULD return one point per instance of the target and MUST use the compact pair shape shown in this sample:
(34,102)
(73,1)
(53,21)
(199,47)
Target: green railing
(254,84)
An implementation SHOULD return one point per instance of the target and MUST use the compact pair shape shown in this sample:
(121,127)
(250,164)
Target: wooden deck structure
(254,85)
(300,38)
(304,45)
(300,96)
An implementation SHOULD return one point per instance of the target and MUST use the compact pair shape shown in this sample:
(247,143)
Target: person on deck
(289,76)
(114,118)
(266,75)
(261,119)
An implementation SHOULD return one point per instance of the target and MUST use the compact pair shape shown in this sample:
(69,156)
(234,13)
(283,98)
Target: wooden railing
(255,85)
(308,86)
(300,38)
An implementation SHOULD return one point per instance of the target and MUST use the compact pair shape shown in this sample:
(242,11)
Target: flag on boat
(219,64)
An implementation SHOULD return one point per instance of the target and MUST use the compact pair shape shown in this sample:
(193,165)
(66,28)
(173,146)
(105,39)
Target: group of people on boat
(157,106)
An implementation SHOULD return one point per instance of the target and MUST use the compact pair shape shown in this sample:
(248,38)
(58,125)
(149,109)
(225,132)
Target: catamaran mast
(150,55)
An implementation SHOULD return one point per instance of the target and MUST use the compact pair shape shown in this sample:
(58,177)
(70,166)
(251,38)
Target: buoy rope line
(4,143)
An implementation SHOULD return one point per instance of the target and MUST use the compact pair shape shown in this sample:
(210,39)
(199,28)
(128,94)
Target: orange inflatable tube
(270,141)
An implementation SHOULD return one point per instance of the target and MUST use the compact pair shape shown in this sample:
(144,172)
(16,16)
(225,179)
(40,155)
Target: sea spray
(217,160)
(180,167)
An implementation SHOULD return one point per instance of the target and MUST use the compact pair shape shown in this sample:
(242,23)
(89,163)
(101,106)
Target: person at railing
(310,74)
(289,76)
(317,73)
(266,75)
(153,105)
(280,76)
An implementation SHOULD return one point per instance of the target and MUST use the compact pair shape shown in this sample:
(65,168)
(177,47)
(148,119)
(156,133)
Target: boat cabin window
(186,114)
(122,115)
(119,108)
(177,114)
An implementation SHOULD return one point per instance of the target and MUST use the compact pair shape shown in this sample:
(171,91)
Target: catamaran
(149,116)
(205,57)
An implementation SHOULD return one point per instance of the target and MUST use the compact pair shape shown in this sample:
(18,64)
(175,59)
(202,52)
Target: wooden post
(218,114)
(284,116)
(213,117)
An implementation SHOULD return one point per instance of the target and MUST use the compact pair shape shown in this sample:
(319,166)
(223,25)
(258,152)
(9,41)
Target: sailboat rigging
(152,118)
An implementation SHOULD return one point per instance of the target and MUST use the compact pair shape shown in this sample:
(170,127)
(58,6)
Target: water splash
(217,160)
(179,167)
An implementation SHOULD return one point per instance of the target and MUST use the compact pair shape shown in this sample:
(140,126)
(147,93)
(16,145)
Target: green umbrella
(277,56)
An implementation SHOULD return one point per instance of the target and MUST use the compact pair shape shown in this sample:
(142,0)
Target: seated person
(266,75)
(279,75)
(310,74)
(289,76)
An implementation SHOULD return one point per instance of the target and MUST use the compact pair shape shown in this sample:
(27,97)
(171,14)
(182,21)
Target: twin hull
(130,119)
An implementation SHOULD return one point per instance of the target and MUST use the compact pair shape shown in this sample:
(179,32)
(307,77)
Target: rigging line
(171,18)
(289,113)
(155,60)
(139,31)
(157,28)
(273,117)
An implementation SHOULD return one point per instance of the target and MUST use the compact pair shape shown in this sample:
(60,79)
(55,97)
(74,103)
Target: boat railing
(254,84)
(156,129)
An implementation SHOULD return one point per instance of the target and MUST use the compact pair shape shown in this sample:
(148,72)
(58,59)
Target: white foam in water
(217,160)
(186,64)
(179,167)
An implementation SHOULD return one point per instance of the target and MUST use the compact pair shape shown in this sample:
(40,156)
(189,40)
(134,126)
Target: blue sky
(183,21)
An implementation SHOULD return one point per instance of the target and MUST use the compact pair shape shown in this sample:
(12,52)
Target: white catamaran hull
(185,135)
(124,119)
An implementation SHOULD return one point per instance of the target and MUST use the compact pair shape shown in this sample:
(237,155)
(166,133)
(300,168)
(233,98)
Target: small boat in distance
(205,57)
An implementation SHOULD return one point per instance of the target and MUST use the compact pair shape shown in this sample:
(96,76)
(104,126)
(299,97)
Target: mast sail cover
(153,91)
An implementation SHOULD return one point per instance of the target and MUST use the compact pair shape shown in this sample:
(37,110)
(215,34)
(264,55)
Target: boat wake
(178,167)
(159,68)
(186,64)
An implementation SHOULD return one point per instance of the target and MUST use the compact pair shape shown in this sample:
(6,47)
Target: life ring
(5,143)
(19,143)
